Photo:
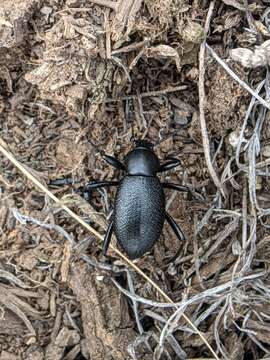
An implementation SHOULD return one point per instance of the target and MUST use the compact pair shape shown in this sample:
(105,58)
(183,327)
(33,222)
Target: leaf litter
(78,78)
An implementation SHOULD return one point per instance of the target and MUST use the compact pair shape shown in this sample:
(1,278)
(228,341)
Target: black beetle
(139,208)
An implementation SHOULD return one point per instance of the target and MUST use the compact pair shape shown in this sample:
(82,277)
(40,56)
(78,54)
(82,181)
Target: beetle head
(142,161)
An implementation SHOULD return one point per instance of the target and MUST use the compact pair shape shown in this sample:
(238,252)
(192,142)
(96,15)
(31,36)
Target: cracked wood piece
(107,326)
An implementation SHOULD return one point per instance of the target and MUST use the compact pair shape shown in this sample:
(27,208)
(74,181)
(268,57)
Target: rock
(234,138)
(266,151)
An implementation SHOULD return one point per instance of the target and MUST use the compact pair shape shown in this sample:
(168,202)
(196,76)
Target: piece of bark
(107,327)
(65,339)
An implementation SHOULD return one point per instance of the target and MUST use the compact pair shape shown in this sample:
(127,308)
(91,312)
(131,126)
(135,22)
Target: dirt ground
(82,77)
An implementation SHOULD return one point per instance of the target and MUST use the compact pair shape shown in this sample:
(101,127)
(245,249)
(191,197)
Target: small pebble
(28,120)
(172,270)
(100,278)
(236,248)
(31,340)
(46,10)
(266,151)
(234,138)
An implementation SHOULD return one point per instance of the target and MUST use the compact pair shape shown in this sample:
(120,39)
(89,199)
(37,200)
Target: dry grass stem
(150,93)
(205,138)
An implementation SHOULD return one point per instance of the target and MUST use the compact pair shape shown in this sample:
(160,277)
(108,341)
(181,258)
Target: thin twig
(244,215)
(244,125)
(196,253)
(150,93)
(43,188)
(141,112)
(132,47)
(205,138)
(108,34)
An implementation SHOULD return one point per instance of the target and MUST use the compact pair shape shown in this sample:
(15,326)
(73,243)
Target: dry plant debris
(78,77)
(252,59)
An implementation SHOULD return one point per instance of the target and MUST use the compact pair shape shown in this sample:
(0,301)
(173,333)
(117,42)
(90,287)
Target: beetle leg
(178,232)
(90,185)
(114,162)
(176,229)
(107,238)
(99,184)
(63,182)
(171,164)
(176,187)
(183,188)
(85,190)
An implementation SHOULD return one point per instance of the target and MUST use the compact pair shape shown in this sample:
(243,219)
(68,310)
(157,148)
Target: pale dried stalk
(205,139)
(150,93)
(43,188)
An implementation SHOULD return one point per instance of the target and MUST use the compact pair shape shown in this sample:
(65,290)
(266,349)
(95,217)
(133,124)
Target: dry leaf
(164,51)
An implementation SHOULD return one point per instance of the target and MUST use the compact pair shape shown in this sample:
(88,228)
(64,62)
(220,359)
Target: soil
(79,78)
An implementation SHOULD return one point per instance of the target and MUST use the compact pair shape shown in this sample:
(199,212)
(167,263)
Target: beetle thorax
(142,162)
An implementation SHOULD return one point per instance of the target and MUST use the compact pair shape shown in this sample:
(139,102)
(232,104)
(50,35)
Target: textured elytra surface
(139,214)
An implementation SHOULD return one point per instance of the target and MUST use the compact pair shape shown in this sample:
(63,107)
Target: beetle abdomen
(139,214)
